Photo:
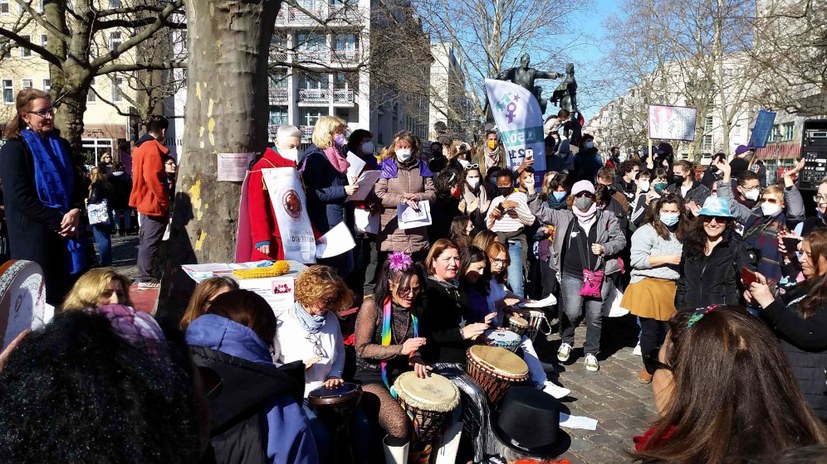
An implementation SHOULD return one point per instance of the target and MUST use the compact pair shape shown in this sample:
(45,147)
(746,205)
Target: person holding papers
(405,183)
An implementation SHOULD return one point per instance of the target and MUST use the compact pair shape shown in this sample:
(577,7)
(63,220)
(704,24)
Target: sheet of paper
(365,222)
(577,422)
(232,167)
(365,182)
(356,165)
(410,218)
(335,242)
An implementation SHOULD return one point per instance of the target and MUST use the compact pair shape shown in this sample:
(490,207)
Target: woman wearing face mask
(324,171)
(406,180)
(586,239)
(476,197)
(587,161)
(264,228)
(493,154)
(641,199)
(655,256)
(779,208)
(555,194)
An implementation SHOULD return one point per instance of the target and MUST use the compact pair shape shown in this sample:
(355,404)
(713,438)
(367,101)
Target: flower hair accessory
(400,261)
(699,314)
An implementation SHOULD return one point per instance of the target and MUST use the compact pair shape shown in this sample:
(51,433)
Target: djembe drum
(504,339)
(335,407)
(517,324)
(429,403)
(22,299)
(494,370)
(535,318)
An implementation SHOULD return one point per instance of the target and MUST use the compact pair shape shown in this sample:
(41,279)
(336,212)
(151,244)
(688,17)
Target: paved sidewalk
(613,396)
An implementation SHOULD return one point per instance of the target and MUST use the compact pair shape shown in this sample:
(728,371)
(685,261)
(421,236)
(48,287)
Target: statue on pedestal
(524,76)
(565,95)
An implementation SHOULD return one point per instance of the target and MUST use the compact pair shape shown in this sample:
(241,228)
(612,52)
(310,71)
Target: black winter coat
(804,342)
(442,320)
(325,190)
(238,426)
(713,279)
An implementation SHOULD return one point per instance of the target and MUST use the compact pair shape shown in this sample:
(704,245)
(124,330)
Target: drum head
(517,320)
(433,393)
(22,299)
(498,360)
(504,336)
(324,396)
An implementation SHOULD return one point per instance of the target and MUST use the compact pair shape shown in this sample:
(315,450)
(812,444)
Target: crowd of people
(724,278)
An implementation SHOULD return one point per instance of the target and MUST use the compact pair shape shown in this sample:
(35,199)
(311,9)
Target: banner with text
(520,122)
(290,205)
(672,122)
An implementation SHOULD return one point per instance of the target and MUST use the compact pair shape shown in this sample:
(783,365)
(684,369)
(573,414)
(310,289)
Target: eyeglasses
(412,291)
(44,112)
(652,362)
(318,349)
(820,199)
(328,301)
(500,260)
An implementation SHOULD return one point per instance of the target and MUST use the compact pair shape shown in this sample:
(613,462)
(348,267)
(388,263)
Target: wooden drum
(517,324)
(536,318)
(427,401)
(495,369)
(335,406)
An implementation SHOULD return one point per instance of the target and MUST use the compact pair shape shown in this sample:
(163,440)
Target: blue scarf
(54,181)
(310,323)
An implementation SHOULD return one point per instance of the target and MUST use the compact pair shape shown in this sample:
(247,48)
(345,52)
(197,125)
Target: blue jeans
(104,241)
(515,269)
(575,307)
(127,218)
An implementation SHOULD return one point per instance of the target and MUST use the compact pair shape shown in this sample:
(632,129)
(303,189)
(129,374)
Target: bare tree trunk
(69,91)
(227,112)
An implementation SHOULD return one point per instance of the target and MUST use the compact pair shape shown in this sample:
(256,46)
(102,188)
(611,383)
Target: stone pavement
(613,396)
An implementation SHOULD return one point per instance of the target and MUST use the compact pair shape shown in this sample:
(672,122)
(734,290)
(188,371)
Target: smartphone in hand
(791,244)
(748,277)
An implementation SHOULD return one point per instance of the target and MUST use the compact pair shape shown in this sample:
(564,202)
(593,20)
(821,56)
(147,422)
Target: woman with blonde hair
(98,287)
(206,291)
(324,170)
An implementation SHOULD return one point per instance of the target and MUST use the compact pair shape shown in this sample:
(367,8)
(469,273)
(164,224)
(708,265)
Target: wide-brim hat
(543,438)
(716,207)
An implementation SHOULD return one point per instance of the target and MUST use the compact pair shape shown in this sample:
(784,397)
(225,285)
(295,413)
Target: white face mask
(117,173)
(752,195)
(644,185)
(290,153)
(368,148)
(403,154)
(770,209)
(473,183)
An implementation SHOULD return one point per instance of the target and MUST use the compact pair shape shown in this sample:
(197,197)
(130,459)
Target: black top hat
(527,405)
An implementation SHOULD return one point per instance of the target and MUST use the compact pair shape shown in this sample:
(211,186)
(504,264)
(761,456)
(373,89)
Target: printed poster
(290,205)
(672,122)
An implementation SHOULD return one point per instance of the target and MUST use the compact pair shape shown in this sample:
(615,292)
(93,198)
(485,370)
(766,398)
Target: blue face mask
(669,219)
(559,196)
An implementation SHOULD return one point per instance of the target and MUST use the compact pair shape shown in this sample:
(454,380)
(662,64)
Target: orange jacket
(149,192)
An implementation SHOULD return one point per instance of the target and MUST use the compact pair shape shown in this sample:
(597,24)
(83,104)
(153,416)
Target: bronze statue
(565,95)
(524,76)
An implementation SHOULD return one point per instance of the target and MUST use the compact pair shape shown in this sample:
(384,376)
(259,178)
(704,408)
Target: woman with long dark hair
(724,393)
(713,255)
(100,191)
(388,344)
(799,319)
(43,194)
(655,255)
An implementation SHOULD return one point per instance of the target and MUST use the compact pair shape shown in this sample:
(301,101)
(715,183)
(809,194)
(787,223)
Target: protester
(655,256)
(799,319)
(587,161)
(509,216)
(121,183)
(818,221)
(628,172)
(43,194)
(150,196)
(100,192)
(493,153)
(739,164)
(366,252)
(607,177)
(555,194)
(256,416)
(98,386)
(105,163)
(324,171)
(684,184)
(476,197)
(713,256)
(448,189)
(387,344)
(171,171)
(590,241)
(98,287)
(264,228)
(405,181)
(205,292)
(720,372)
(461,228)
(655,184)
(780,208)
(438,160)
(483,239)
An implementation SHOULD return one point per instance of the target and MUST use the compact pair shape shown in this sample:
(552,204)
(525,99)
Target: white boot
(395,454)
(447,453)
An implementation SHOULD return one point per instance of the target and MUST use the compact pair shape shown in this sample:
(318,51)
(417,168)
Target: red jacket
(149,190)
(263,225)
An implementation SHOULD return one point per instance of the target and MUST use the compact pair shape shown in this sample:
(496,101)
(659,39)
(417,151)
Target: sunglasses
(584,194)
(717,220)
(413,291)
(769,200)
(652,362)
(472,166)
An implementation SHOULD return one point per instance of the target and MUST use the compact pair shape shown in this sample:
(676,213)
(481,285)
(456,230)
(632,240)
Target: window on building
(310,5)
(4,7)
(278,115)
(114,3)
(309,116)
(310,80)
(115,40)
(8,92)
(706,143)
(787,131)
(311,41)
(708,124)
(47,85)
(26,83)
(44,39)
(117,90)
(26,52)
(278,79)
(92,97)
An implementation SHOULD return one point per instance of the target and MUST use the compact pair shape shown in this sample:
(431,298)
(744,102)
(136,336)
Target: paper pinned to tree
(335,242)
(410,218)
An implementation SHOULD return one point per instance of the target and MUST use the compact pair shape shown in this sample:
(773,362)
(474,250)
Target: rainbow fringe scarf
(386,338)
